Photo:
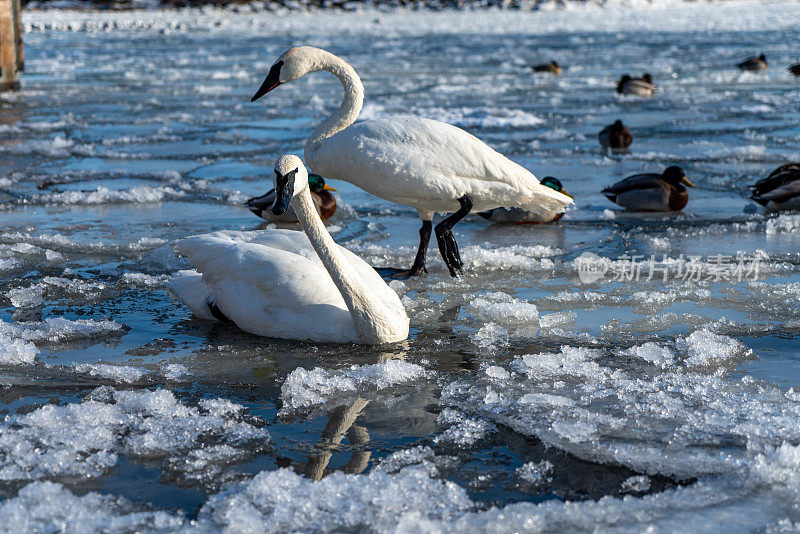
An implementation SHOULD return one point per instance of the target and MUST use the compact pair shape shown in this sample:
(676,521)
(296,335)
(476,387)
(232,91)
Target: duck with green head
(520,216)
(652,191)
(324,201)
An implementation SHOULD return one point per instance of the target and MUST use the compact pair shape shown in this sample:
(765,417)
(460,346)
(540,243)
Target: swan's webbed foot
(447,242)
(391,273)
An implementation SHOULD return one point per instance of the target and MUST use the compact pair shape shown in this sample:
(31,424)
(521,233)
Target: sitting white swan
(289,284)
(426,164)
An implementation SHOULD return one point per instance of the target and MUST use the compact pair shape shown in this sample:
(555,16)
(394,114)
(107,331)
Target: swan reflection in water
(341,423)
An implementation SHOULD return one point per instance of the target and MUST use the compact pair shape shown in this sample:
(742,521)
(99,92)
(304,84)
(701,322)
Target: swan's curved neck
(372,321)
(351,104)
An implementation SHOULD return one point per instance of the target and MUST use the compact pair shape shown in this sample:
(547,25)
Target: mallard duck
(643,86)
(754,63)
(320,194)
(780,190)
(615,136)
(520,216)
(552,66)
(795,69)
(651,191)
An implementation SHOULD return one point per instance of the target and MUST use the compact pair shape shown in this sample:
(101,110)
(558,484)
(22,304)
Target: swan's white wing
(281,239)
(193,291)
(298,243)
(270,291)
(429,164)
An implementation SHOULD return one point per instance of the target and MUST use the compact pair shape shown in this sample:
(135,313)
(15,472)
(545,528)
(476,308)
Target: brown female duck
(615,136)
(551,67)
(754,63)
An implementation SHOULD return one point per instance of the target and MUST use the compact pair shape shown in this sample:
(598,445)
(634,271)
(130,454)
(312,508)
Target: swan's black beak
(270,82)
(284,189)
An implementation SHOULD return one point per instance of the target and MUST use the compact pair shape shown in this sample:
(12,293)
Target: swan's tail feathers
(542,199)
(190,288)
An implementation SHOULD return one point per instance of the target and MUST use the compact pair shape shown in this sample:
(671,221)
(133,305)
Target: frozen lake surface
(524,400)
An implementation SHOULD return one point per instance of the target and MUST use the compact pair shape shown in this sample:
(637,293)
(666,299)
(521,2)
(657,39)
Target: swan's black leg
(453,247)
(447,242)
(424,238)
(419,261)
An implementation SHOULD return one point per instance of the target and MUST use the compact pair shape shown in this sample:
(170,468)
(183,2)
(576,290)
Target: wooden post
(18,33)
(9,77)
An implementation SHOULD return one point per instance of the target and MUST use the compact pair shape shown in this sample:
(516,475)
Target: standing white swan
(289,284)
(422,163)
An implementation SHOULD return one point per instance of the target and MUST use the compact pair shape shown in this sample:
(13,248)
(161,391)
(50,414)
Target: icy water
(524,400)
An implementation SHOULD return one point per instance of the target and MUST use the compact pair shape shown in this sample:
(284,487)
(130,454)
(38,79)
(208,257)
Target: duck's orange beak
(686,181)
(326,187)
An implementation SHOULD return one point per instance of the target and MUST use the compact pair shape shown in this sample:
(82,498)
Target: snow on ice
(304,388)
